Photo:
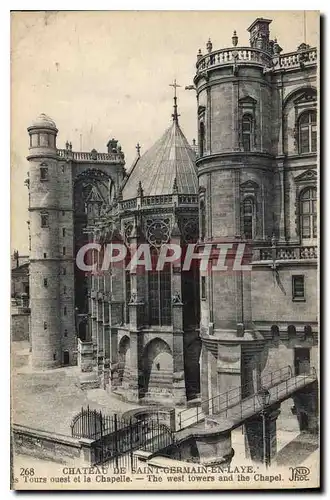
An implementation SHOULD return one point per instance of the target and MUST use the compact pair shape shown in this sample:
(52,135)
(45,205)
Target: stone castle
(175,336)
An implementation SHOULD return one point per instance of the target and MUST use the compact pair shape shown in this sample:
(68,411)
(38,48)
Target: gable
(307,96)
(309,175)
(247,100)
(250,186)
(94,196)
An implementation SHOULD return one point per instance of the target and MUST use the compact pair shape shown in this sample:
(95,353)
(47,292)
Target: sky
(106,74)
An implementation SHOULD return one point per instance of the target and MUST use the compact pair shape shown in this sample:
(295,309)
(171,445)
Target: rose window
(158,232)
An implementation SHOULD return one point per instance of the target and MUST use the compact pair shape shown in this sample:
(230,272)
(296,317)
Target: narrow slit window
(43,173)
(203,288)
(44,220)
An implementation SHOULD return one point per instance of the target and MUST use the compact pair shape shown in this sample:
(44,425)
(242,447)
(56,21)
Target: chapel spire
(175,114)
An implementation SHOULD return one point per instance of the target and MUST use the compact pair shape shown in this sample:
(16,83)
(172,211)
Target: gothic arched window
(248,217)
(247,131)
(307,134)
(308,213)
(128,288)
(160,296)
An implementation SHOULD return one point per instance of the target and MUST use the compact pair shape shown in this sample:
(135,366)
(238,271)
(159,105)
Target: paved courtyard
(48,400)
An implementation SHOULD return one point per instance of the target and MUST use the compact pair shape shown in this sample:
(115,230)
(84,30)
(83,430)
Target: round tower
(44,246)
(235,172)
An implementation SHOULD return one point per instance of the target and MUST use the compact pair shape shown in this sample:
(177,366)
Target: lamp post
(264,399)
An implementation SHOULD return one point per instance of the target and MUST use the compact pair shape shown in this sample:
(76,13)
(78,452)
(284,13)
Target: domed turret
(44,121)
(43,133)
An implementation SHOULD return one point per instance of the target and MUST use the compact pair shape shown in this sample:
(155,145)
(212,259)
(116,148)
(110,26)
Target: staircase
(229,409)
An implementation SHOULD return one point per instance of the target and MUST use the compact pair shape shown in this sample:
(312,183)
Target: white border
(5,7)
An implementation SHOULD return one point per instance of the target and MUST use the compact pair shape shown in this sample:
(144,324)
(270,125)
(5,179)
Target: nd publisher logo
(299,473)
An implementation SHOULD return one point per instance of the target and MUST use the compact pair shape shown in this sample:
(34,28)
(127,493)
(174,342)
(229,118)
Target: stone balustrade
(245,55)
(90,157)
(128,204)
(284,253)
(188,199)
(248,55)
(166,199)
(293,59)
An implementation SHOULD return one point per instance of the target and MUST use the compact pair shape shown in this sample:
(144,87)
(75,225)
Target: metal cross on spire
(175,114)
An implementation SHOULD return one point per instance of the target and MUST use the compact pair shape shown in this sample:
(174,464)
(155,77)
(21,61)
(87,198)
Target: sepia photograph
(164,250)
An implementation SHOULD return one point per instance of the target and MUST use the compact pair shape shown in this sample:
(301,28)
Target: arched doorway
(82,330)
(123,359)
(157,380)
(66,358)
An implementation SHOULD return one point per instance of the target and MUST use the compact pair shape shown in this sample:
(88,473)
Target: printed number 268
(27,472)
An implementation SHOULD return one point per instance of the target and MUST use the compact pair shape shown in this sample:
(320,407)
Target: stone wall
(50,446)
(272,297)
(20,326)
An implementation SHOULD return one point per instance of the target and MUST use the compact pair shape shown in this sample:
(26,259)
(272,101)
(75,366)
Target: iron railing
(279,392)
(116,437)
(224,402)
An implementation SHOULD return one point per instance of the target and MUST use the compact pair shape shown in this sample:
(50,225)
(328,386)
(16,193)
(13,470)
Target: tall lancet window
(128,288)
(247,131)
(127,294)
(159,296)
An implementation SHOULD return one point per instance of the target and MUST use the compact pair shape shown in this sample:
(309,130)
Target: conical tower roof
(170,158)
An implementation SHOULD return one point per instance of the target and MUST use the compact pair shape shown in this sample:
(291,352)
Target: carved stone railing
(128,204)
(188,199)
(91,157)
(284,253)
(161,199)
(294,59)
(245,55)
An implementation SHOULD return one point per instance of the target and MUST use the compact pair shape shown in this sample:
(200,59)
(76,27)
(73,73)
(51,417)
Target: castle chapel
(171,336)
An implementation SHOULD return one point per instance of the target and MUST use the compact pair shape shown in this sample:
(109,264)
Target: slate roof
(171,157)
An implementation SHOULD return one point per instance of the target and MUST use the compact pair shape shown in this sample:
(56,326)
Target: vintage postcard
(164,269)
